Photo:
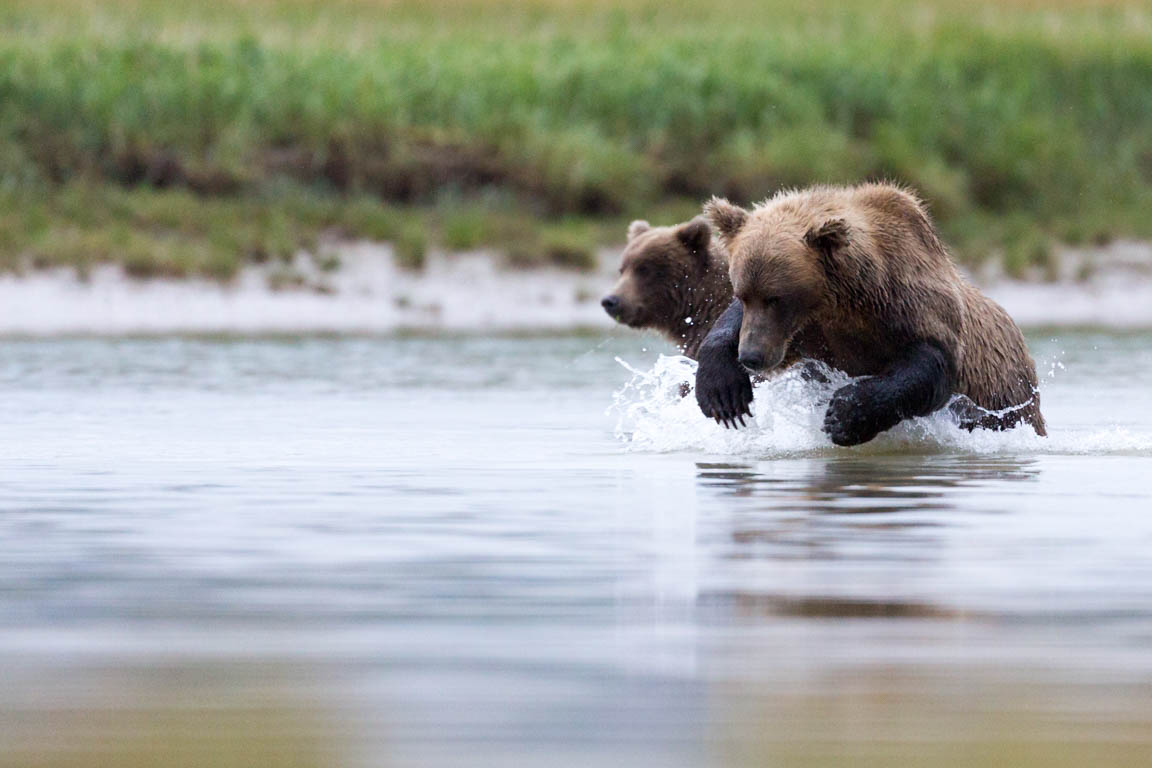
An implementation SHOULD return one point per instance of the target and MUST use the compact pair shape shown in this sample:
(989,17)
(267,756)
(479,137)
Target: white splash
(655,411)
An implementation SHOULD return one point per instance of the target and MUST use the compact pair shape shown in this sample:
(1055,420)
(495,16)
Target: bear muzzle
(757,359)
(621,311)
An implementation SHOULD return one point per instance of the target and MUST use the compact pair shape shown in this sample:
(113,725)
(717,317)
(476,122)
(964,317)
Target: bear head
(662,270)
(777,257)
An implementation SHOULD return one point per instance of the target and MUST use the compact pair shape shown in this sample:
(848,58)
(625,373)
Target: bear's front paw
(849,419)
(723,388)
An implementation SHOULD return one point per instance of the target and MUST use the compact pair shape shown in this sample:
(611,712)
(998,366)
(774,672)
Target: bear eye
(641,270)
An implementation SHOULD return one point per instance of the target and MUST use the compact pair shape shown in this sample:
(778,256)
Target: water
(465,551)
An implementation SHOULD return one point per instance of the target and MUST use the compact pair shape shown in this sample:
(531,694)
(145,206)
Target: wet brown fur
(673,280)
(860,275)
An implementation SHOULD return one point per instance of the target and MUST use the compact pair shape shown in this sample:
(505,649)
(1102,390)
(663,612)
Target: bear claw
(723,387)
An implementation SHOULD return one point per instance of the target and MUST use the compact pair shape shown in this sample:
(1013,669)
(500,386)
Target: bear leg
(920,383)
(723,386)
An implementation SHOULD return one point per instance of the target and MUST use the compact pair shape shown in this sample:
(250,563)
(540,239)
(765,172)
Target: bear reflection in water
(820,530)
(858,486)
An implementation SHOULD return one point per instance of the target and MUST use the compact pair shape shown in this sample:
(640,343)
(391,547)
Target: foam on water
(653,414)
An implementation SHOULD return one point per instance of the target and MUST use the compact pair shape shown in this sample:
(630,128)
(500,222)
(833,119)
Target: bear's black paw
(849,419)
(723,388)
(967,415)
(970,417)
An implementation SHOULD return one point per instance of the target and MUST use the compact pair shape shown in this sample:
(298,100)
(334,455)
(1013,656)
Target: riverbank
(191,139)
(467,292)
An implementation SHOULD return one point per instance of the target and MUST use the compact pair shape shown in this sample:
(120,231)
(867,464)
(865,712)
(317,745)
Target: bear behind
(673,280)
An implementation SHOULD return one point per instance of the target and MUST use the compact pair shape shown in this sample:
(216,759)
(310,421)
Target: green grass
(179,233)
(478,122)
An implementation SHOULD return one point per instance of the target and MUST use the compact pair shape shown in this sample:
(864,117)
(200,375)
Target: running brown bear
(857,277)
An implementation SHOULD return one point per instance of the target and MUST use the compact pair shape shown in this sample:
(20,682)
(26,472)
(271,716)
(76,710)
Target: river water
(530,551)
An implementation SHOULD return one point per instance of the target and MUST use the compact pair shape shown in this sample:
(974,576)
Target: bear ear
(728,219)
(637,228)
(695,235)
(828,236)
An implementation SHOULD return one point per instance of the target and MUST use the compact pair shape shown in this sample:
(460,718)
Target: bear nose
(751,360)
(611,304)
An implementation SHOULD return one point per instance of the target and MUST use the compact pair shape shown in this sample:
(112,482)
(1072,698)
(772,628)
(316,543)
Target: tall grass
(1035,112)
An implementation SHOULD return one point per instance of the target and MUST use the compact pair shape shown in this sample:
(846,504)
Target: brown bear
(857,277)
(673,280)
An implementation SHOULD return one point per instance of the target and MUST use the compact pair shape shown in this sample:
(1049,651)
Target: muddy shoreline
(472,292)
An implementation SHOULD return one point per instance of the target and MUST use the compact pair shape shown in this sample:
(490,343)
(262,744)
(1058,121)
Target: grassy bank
(180,233)
(523,125)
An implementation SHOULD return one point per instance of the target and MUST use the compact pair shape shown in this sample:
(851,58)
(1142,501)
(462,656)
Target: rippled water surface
(466,551)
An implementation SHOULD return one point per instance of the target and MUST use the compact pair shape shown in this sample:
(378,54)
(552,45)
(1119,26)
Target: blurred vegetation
(181,138)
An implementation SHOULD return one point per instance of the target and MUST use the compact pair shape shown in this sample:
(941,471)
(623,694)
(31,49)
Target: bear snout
(753,360)
(622,311)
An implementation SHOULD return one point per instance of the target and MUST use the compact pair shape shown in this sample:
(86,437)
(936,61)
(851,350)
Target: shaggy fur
(858,278)
(673,280)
